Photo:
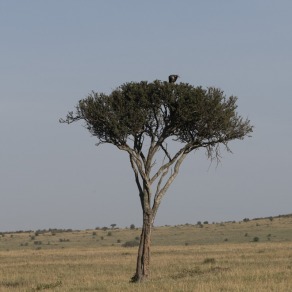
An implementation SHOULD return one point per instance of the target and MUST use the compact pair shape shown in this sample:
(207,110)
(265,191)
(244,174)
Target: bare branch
(161,179)
(158,196)
(172,161)
(137,162)
(165,151)
(136,173)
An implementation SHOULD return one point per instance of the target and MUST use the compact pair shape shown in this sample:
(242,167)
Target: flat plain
(250,255)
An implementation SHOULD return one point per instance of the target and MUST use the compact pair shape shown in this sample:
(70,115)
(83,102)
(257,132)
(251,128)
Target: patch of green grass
(46,286)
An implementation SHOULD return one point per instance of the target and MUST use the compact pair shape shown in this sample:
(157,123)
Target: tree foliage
(161,110)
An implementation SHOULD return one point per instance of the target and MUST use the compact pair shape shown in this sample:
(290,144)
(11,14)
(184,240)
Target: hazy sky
(53,53)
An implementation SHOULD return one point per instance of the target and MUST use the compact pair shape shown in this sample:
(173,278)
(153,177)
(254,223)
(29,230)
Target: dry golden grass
(223,267)
(87,263)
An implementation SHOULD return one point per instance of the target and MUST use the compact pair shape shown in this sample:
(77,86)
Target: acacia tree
(141,119)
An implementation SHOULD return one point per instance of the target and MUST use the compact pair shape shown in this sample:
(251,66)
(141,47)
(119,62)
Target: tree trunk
(143,258)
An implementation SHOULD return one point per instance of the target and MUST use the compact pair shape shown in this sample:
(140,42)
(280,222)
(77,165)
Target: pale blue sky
(53,53)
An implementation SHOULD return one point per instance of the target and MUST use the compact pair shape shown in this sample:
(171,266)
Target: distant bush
(255,239)
(245,219)
(104,228)
(118,241)
(246,234)
(109,233)
(37,242)
(209,261)
(131,243)
(199,224)
(137,238)
(64,239)
(206,222)
(55,230)
(132,226)
(93,233)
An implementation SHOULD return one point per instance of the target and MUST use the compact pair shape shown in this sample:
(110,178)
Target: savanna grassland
(255,255)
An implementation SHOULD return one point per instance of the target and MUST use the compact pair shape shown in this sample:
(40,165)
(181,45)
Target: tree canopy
(192,115)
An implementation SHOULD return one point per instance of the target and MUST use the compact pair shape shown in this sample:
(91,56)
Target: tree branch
(70,118)
(136,173)
(165,151)
(160,180)
(137,162)
(158,196)
(172,161)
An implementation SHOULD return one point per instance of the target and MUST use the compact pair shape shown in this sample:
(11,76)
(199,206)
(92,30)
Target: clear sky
(53,53)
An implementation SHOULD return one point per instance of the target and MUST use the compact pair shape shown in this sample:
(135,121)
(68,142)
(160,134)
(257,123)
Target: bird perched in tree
(172,78)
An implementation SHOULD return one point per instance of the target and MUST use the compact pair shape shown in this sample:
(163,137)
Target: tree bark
(143,258)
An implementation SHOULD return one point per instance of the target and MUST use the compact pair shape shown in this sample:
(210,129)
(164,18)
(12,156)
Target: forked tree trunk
(143,258)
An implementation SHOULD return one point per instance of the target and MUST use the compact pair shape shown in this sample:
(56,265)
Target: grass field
(240,256)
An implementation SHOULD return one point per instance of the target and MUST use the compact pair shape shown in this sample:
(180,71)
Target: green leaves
(161,110)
